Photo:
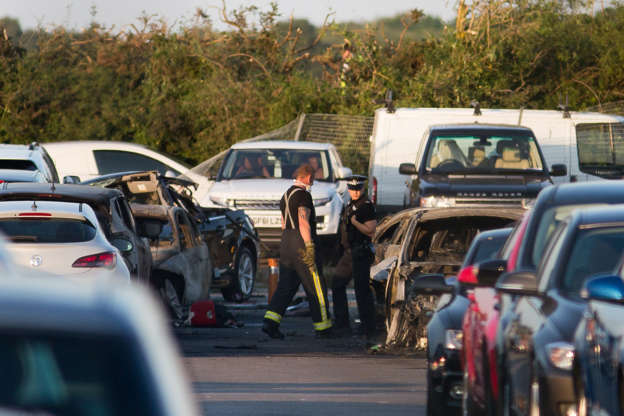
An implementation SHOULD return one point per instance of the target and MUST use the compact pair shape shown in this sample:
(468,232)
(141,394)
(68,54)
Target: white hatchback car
(60,238)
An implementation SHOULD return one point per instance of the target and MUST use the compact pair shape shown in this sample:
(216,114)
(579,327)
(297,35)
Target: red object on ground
(203,313)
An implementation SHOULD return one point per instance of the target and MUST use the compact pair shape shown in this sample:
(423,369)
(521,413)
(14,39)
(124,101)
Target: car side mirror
(484,274)
(343,173)
(609,288)
(430,284)
(407,169)
(122,244)
(558,170)
(71,179)
(518,283)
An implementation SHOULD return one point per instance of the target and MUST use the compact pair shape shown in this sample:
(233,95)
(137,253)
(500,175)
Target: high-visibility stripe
(320,326)
(319,293)
(273,316)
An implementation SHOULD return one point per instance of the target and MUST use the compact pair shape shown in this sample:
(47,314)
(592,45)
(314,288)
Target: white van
(584,142)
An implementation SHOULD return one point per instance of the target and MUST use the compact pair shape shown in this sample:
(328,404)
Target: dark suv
(476,164)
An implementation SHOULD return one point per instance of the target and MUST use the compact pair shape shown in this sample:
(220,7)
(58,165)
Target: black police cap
(356,182)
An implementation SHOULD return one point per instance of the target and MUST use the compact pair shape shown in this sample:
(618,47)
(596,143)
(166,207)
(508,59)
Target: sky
(77,14)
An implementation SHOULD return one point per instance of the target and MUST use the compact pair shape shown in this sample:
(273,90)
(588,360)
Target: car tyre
(242,285)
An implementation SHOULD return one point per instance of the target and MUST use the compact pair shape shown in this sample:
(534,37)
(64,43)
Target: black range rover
(478,164)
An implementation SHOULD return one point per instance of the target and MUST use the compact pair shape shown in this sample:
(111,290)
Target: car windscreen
(17,164)
(487,249)
(67,374)
(47,230)
(482,153)
(548,222)
(275,163)
(603,248)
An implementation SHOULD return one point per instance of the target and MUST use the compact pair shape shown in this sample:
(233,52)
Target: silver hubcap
(245,273)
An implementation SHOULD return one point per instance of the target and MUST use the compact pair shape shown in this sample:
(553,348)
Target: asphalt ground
(241,371)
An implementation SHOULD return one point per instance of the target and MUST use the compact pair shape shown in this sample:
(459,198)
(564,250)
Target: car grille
(489,201)
(257,204)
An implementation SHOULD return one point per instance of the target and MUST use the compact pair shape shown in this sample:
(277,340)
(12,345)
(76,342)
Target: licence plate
(266,220)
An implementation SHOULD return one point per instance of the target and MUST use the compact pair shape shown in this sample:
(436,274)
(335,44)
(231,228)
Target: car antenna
(52,187)
(34,206)
(388,100)
(80,207)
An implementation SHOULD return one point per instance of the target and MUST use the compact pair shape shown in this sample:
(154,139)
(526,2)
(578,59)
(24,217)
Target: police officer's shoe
(272,330)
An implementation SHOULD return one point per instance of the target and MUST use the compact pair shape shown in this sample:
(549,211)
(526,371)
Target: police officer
(357,226)
(298,259)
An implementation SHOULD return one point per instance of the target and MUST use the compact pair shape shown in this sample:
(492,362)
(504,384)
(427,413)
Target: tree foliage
(195,91)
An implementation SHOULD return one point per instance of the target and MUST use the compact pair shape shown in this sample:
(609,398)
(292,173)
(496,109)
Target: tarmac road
(240,371)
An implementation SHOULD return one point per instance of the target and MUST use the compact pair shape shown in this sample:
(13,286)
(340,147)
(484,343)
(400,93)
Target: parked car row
(531,323)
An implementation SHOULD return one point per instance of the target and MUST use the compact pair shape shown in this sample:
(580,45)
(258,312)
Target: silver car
(60,238)
(69,349)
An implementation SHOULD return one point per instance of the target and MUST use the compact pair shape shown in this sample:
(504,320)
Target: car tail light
(106,259)
(374,191)
(34,214)
(468,275)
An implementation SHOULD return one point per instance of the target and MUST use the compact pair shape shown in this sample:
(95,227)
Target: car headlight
(454,339)
(437,202)
(561,354)
(321,201)
(219,200)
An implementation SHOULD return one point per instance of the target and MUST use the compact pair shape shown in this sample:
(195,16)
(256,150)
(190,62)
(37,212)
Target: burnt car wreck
(228,236)
(420,242)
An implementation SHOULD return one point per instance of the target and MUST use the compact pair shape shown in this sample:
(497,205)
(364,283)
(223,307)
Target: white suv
(254,176)
(32,157)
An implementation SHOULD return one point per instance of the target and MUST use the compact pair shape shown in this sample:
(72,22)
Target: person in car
(250,169)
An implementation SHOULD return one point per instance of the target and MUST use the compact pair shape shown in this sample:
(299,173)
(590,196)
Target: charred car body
(112,211)
(433,243)
(476,164)
(229,235)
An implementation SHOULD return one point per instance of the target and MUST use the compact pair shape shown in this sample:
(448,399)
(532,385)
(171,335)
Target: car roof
(19,151)
(76,210)
(283,144)
(62,192)
(491,128)
(608,192)
(96,144)
(497,233)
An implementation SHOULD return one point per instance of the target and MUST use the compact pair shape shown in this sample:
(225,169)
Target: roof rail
(477,107)
(32,145)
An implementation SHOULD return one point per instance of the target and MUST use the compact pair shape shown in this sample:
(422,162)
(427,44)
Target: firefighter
(357,227)
(298,259)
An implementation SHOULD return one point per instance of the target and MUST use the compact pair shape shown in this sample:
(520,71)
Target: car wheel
(241,286)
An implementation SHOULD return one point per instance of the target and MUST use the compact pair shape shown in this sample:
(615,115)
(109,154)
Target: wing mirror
(407,169)
(518,283)
(122,243)
(484,274)
(430,284)
(558,170)
(343,172)
(609,288)
(72,179)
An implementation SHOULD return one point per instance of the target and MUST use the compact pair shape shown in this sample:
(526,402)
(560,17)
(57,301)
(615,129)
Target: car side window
(51,166)
(551,256)
(112,161)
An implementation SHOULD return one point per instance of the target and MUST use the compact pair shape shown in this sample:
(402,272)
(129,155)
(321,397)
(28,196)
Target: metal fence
(350,135)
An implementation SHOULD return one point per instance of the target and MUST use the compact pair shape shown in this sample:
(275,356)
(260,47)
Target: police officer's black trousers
(292,273)
(361,260)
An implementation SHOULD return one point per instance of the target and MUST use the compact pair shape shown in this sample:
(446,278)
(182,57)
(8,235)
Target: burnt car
(182,272)
(230,235)
(112,211)
(433,243)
